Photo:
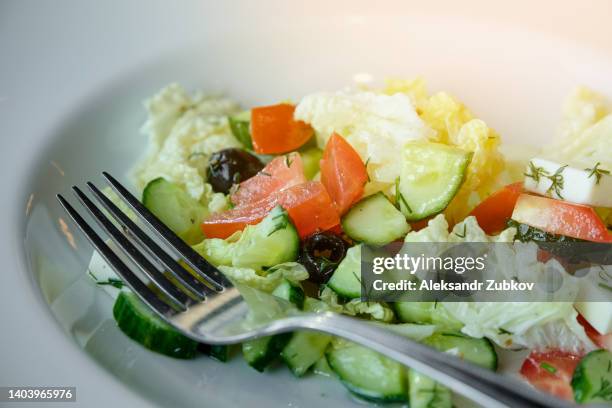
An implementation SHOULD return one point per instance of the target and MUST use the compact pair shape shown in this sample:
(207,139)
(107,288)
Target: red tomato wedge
(308,204)
(274,131)
(310,208)
(601,340)
(560,217)
(342,173)
(280,173)
(551,371)
(496,209)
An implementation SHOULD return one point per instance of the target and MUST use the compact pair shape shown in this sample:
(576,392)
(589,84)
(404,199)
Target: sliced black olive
(320,254)
(231,166)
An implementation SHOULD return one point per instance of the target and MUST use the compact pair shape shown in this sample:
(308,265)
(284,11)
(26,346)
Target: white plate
(73,77)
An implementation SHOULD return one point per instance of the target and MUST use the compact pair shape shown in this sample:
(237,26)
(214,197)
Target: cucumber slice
(291,292)
(426,313)
(430,177)
(218,352)
(375,221)
(306,347)
(310,160)
(426,393)
(414,312)
(592,380)
(259,353)
(141,325)
(346,280)
(175,208)
(271,242)
(368,374)
(321,367)
(240,125)
(477,351)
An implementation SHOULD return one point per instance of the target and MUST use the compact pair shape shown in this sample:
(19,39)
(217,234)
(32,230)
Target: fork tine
(175,296)
(193,259)
(187,280)
(132,281)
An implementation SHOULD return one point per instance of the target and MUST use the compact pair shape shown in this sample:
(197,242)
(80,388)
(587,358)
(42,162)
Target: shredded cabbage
(535,325)
(183,131)
(269,279)
(355,307)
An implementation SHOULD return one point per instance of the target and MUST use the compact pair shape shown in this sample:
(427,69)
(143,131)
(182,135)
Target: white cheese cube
(577,185)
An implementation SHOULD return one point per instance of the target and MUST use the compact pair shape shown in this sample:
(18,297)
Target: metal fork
(210,309)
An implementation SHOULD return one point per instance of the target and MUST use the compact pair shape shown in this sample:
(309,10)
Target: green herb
(365,290)
(603,274)
(548,367)
(597,172)
(281,224)
(324,262)
(605,391)
(504,331)
(536,172)
(604,286)
(265,173)
(399,197)
(114,282)
(556,182)
(366,167)
(464,232)
(288,160)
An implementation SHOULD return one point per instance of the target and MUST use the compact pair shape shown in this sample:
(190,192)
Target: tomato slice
(280,173)
(601,340)
(308,204)
(222,225)
(310,207)
(560,217)
(274,131)
(551,371)
(493,213)
(342,173)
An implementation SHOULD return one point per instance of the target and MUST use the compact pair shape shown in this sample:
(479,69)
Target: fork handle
(481,385)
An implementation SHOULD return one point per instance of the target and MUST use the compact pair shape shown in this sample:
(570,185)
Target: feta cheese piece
(376,125)
(598,314)
(589,185)
(596,287)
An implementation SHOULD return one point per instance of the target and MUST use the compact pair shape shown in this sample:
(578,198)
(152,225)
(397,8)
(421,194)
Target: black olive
(320,254)
(231,166)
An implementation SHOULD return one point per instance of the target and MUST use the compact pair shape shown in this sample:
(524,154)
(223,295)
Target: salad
(282,197)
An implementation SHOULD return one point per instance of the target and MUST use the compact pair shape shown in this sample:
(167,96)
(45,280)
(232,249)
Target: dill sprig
(597,172)
(604,392)
(551,369)
(535,172)
(464,232)
(288,160)
(281,223)
(556,182)
(399,197)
